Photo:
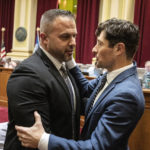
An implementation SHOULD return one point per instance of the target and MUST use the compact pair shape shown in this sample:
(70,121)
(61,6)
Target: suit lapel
(53,70)
(100,99)
(93,95)
(75,90)
(60,79)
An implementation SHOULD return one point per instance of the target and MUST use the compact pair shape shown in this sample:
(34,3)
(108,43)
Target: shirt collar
(56,63)
(112,75)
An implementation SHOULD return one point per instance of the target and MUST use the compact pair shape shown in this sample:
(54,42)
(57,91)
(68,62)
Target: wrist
(43,142)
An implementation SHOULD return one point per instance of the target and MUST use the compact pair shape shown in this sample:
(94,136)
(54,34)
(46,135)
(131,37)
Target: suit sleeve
(26,93)
(115,124)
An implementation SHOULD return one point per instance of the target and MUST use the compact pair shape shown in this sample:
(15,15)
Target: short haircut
(49,16)
(117,30)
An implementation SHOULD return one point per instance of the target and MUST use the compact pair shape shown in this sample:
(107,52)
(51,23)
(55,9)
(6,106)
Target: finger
(23,136)
(24,144)
(28,144)
(20,128)
(17,127)
(20,139)
(37,117)
(19,134)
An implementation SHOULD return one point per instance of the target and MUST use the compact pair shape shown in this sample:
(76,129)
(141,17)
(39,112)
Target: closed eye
(65,36)
(99,43)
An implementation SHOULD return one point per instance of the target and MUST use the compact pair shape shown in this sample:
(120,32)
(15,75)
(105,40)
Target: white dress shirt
(110,77)
(56,63)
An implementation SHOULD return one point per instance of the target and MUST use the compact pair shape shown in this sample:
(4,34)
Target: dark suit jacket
(113,117)
(37,85)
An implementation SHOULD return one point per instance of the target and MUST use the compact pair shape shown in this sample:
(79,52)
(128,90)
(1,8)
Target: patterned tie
(68,83)
(73,101)
(103,81)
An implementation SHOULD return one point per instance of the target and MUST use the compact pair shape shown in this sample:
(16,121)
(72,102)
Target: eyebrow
(98,40)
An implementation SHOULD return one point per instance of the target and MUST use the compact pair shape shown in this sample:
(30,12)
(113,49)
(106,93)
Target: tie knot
(103,81)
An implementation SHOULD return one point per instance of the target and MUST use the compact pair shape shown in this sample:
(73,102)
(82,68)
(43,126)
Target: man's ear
(43,38)
(120,48)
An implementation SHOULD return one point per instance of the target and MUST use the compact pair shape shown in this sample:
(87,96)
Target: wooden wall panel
(4,76)
(140,138)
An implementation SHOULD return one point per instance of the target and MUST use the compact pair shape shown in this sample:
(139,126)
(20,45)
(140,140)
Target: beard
(98,65)
(67,56)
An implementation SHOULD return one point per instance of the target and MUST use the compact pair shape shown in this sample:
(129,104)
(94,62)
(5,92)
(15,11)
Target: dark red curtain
(7,21)
(142,19)
(44,5)
(87,21)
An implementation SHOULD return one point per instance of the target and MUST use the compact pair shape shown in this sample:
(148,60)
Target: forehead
(102,36)
(63,23)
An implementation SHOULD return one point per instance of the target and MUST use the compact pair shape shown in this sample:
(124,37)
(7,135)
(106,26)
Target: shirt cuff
(71,63)
(43,143)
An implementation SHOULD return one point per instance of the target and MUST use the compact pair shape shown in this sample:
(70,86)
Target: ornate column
(24,29)
(123,9)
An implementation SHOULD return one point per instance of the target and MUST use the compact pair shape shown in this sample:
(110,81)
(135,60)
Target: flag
(3,51)
(37,43)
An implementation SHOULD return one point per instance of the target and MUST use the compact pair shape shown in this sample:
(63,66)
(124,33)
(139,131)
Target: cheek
(105,56)
(101,54)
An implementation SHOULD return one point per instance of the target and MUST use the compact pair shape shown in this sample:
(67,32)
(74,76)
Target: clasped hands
(30,136)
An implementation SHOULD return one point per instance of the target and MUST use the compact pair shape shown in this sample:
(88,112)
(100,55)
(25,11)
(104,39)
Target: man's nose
(94,50)
(72,41)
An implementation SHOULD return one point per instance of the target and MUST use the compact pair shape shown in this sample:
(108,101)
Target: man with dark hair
(128,34)
(117,102)
(38,83)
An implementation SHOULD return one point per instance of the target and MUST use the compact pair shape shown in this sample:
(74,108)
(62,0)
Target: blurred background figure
(3,129)
(146,77)
(2,62)
(147,66)
(10,63)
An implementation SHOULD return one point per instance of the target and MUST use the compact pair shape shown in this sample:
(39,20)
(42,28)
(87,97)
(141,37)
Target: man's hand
(30,136)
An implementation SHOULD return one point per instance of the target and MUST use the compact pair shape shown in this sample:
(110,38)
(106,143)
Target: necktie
(68,83)
(103,81)
(73,102)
